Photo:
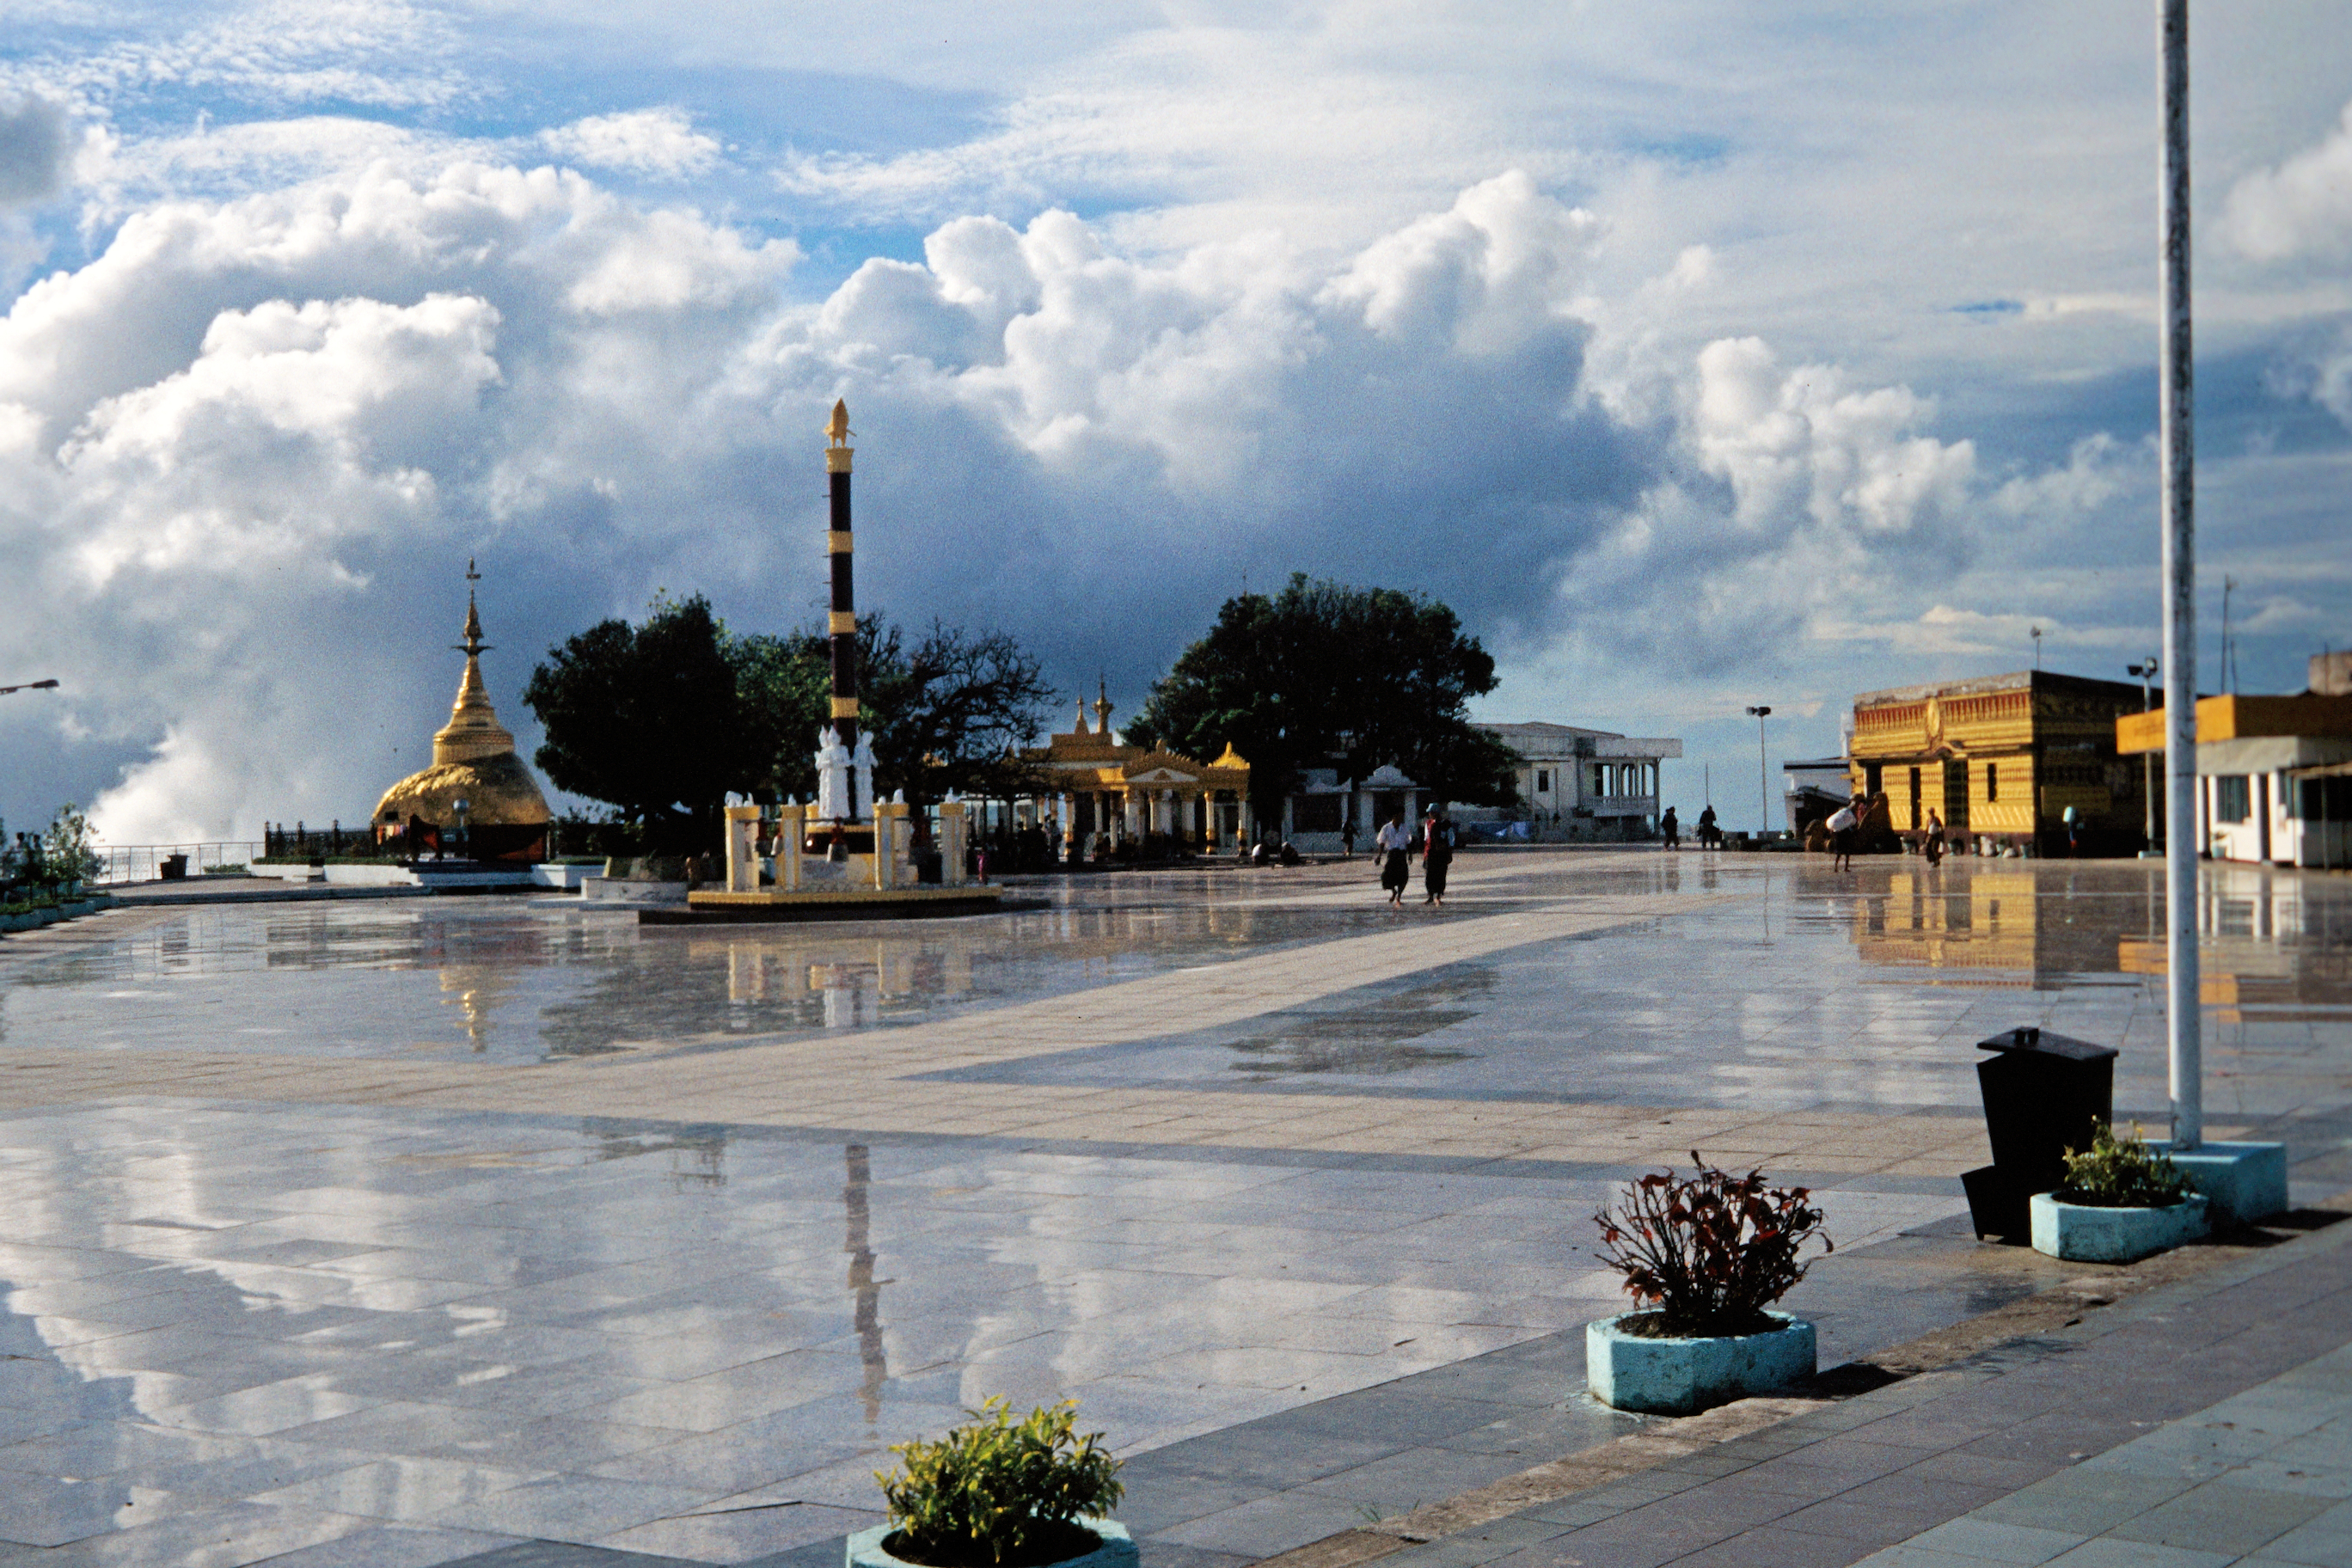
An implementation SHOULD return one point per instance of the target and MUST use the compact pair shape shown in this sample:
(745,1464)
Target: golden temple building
(2001,759)
(477,783)
(1104,794)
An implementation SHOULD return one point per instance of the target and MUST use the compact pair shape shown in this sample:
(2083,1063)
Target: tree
(664,720)
(644,718)
(1323,673)
(947,713)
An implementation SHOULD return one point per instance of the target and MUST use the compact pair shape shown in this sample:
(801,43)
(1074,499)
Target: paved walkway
(2206,1423)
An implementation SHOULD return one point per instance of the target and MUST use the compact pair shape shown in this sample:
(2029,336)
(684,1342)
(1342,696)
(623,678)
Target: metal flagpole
(2180,466)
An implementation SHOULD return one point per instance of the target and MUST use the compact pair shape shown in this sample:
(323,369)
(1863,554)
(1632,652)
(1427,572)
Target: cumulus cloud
(2303,207)
(659,142)
(245,451)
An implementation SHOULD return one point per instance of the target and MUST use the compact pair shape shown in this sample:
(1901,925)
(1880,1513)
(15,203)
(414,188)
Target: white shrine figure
(833,799)
(865,764)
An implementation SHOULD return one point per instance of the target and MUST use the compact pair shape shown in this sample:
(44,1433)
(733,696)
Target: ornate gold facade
(2002,758)
(1104,789)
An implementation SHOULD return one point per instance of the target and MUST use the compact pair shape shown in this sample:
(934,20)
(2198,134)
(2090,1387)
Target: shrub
(1708,1253)
(999,1493)
(227,869)
(2121,1173)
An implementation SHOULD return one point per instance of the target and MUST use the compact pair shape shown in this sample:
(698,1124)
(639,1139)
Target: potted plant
(1001,1493)
(2123,1201)
(1704,1258)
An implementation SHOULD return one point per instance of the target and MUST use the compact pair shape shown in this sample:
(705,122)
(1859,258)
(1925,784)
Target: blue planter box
(1681,1377)
(2081,1234)
(1116,1551)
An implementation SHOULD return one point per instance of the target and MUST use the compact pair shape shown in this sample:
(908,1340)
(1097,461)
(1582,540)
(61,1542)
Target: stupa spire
(473,730)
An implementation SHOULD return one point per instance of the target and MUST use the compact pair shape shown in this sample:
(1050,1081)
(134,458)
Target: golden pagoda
(475,770)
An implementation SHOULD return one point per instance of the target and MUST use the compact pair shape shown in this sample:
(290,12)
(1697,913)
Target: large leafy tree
(665,719)
(1322,674)
(642,717)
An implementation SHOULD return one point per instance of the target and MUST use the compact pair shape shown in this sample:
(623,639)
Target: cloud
(245,451)
(36,150)
(660,142)
(2303,207)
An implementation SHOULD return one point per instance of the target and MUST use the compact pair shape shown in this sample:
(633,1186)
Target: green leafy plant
(1710,1252)
(999,1493)
(2122,1173)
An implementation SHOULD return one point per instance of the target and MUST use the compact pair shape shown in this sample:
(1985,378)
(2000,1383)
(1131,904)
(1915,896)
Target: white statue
(832,797)
(865,764)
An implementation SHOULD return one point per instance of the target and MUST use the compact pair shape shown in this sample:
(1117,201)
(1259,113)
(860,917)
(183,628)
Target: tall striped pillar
(842,623)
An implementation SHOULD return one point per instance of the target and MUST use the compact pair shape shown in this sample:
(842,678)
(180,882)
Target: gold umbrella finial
(837,427)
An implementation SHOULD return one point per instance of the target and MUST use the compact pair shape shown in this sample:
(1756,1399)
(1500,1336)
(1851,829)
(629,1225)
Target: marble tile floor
(362,1290)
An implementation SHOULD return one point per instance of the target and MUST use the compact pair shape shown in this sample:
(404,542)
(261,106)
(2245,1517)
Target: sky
(1701,355)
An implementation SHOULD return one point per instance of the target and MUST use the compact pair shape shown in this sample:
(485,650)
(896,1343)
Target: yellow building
(1101,795)
(475,784)
(2001,760)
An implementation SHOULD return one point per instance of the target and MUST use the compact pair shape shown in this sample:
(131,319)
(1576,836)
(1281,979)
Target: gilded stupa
(474,762)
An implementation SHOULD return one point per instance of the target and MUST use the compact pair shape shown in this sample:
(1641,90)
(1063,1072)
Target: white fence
(144,862)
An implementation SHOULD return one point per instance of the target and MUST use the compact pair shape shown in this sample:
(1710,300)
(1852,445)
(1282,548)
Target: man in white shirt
(1841,827)
(1394,841)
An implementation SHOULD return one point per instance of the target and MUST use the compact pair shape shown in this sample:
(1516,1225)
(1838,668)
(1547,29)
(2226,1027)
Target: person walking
(1348,837)
(1394,842)
(1708,833)
(1845,826)
(1436,855)
(1671,828)
(1933,843)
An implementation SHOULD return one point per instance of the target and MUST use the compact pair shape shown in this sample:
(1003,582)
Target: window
(2230,800)
(1992,782)
(2324,799)
(1543,781)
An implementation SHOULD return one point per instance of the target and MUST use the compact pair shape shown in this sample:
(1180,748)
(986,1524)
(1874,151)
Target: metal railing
(144,862)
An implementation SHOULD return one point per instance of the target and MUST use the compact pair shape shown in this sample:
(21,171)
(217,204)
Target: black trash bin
(2043,1094)
(175,868)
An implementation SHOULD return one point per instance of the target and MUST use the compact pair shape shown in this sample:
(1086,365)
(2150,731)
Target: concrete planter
(1116,1551)
(289,873)
(2241,1182)
(2081,1234)
(1681,1377)
(555,874)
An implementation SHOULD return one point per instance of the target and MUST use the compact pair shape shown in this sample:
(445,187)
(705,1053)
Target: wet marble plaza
(399,1230)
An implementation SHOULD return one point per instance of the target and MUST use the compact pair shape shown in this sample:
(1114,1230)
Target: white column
(2176,398)
(742,849)
(954,838)
(792,826)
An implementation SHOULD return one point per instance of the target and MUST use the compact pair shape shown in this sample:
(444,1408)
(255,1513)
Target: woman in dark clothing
(1436,855)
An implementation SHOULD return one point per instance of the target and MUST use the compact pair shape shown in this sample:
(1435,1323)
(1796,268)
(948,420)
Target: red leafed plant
(1709,1253)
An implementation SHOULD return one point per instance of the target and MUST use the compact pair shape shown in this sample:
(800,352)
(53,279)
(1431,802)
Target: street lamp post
(2146,669)
(1763,787)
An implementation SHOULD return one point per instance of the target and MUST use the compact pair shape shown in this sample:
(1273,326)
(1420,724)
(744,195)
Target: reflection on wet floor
(1371,1036)
(508,982)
